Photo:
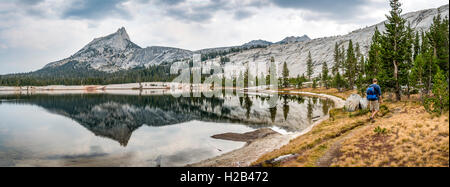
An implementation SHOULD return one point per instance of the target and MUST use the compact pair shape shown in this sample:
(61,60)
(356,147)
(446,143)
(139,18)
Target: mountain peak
(293,39)
(118,41)
(257,43)
(122,33)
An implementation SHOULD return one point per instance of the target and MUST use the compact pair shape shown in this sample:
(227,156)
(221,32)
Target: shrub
(384,110)
(379,131)
(439,102)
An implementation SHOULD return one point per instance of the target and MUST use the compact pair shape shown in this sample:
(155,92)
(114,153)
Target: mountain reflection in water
(117,116)
(153,130)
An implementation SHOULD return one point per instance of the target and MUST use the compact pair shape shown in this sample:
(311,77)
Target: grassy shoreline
(403,135)
(246,155)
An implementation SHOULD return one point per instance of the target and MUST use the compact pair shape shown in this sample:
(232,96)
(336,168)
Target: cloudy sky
(36,32)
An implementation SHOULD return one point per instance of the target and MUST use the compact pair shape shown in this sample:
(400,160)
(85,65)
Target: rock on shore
(352,102)
(246,137)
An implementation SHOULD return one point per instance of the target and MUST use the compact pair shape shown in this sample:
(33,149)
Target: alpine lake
(139,129)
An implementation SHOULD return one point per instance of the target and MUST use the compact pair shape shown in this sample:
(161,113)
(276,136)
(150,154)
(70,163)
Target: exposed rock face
(106,53)
(116,52)
(157,55)
(352,102)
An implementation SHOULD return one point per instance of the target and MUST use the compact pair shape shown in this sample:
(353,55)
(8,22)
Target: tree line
(403,61)
(84,76)
(407,62)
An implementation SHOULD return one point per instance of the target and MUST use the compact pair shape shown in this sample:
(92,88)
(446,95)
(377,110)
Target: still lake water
(133,130)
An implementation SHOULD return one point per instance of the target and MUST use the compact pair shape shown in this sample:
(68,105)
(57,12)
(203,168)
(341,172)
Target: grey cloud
(189,11)
(76,9)
(30,2)
(320,5)
(328,9)
(195,13)
(319,9)
(95,9)
(242,14)
(200,13)
(23,7)
(181,14)
(171,2)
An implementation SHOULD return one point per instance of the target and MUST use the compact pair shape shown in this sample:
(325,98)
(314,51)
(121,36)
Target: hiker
(374,97)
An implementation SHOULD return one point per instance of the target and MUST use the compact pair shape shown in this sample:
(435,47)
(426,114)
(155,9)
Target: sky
(36,32)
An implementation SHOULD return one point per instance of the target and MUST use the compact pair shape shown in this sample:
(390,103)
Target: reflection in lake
(56,130)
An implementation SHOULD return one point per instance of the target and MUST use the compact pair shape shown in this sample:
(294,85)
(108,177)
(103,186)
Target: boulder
(363,104)
(352,102)
(246,137)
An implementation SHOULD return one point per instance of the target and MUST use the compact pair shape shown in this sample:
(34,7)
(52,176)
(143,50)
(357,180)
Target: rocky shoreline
(245,156)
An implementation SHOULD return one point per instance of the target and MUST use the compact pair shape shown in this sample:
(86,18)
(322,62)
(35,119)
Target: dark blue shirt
(377,90)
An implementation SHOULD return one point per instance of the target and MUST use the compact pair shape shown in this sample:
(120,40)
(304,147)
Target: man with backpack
(374,97)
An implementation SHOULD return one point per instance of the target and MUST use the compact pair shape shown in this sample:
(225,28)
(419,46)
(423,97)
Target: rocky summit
(116,52)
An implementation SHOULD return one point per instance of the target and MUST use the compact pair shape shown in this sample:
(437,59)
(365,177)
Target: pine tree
(394,41)
(439,102)
(285,75)
(361,81)
(325,74)
(350,65)
(438,38)
(314,85)
(336,57)
(404,74)
(440,91)
(309,66)
(418,74)
(429,66)
(362,66)
(416,45)
(338,82)
(375,51)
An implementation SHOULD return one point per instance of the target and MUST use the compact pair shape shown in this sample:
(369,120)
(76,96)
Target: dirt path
(333,153)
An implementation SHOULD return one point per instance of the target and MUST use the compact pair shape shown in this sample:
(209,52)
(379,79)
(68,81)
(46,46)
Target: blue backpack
(371,94)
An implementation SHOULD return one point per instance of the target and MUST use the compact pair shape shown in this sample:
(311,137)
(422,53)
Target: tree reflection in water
(117,116)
